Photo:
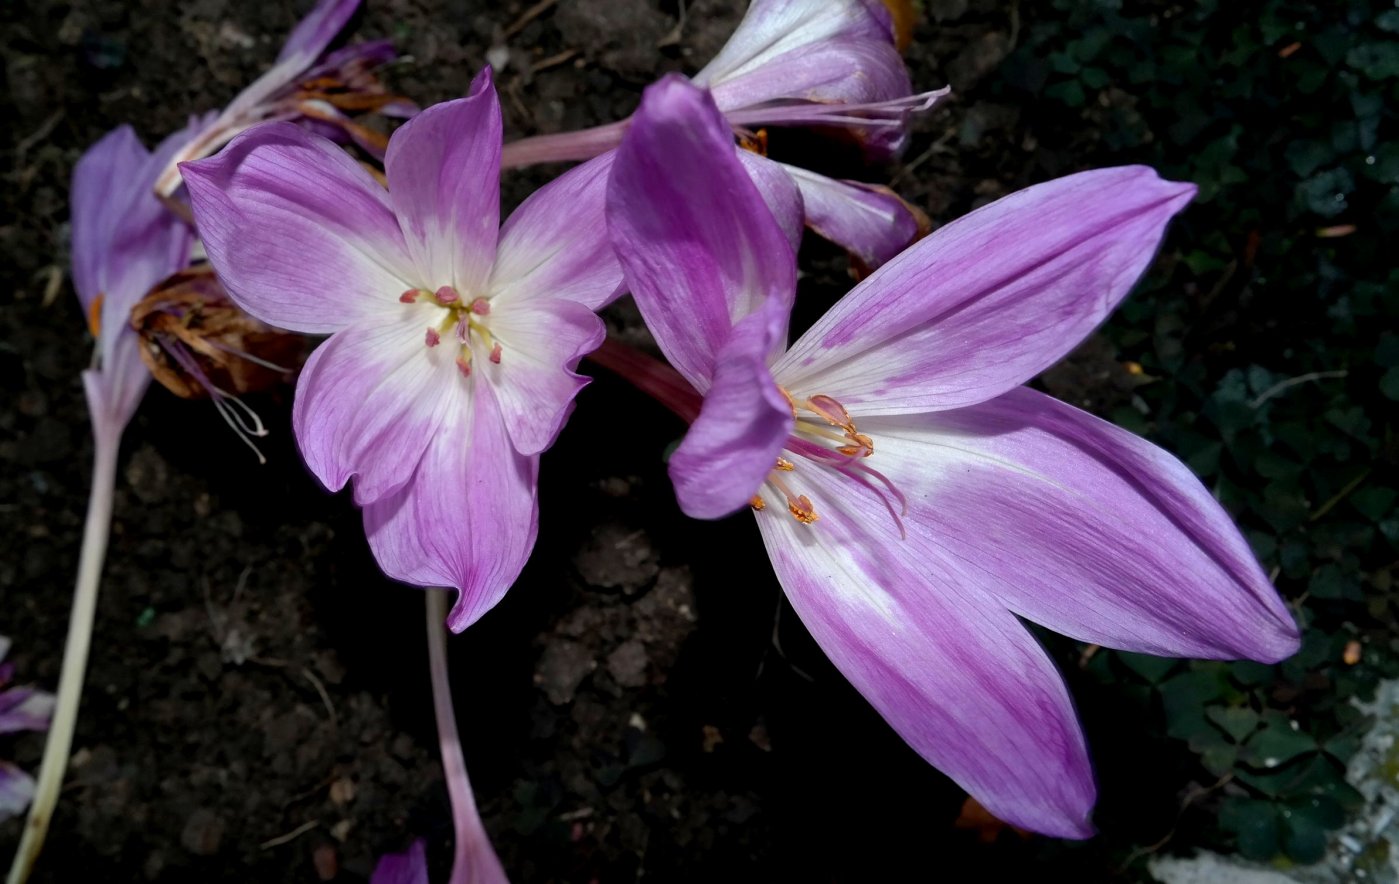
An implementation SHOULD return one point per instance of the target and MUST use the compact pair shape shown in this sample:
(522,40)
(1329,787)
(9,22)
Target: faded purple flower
(408,867)
(826,63)
(914,498)
(453,339)
(21,709)
(322,91)
(124,242)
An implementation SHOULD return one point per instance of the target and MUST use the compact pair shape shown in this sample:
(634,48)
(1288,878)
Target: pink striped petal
(953,672)
(541,341)
(469,517)
(742,425)
(698,245)
(990,300)
(813,50)
(443,168)
(555,244)
(372,398)
(313,33)
(1081,526)
(869,221)
(301,236)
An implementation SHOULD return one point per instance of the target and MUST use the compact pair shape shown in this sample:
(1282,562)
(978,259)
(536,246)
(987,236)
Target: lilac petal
(541,341)
(869,221)
(443,168)
(814,50)
(301,236)
(16,790)
(372,398)
(781,193)
(314,32)
(106,182)
(954,673)
(409,867)
(1079,525)
(555,244)
(742,425)
(698,245)
(990,300)
(469,517)
(25,709)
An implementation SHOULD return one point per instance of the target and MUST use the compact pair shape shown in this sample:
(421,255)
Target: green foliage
(1268,330)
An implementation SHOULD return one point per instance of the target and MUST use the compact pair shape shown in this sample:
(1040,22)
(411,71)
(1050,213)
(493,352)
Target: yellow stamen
(94,314)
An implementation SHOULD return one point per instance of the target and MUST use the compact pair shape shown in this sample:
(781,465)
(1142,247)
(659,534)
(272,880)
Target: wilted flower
(822,63)
(21,709)
(453,339)
(914,498)
(124,242)
(198,344)
(322,91)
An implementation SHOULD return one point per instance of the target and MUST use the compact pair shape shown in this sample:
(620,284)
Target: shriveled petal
(814,50)
(372,398)
(742,425)
(953,672)
(443,168)
(314,32)
(301,236)
(781,193)
(16,790)
(698,245)
(990,300)
(469,517)
(869,221)
(1084,527)
(409,867)
(25,709)
(555,244)
(541,341)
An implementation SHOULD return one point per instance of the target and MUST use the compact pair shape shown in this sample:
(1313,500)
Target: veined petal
(742,425)
(541,341)
(16,790)
(314,32)
(469,517)
(953,672)
(372,398)
(107,183)
(992,299)
(869,221)
(1081,526)
(815,50)
(301,236)
(698,245)
(781,193)
(443,168)
(555,244)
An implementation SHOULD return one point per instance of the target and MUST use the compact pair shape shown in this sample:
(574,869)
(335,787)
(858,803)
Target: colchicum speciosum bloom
(322,91)
(453,339)
(21,709)
(914,498)
(819,63)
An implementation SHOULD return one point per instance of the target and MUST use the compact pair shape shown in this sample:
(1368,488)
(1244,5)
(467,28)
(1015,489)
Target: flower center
(465,320)
(826,435)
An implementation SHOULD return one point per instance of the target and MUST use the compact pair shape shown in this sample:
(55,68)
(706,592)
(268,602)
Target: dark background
(626,711)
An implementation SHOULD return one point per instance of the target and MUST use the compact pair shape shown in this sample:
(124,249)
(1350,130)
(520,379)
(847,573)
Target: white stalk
(75,651)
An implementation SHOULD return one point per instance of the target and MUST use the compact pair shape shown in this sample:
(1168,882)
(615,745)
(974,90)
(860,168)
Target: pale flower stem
(75,651)
(473,859)
(562,147)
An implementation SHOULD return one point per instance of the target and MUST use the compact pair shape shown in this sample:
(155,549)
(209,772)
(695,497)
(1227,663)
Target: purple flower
(21,709)
(303,84)
(124,242)
(914,498)
(827,63)
(449,367)
(408,867)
